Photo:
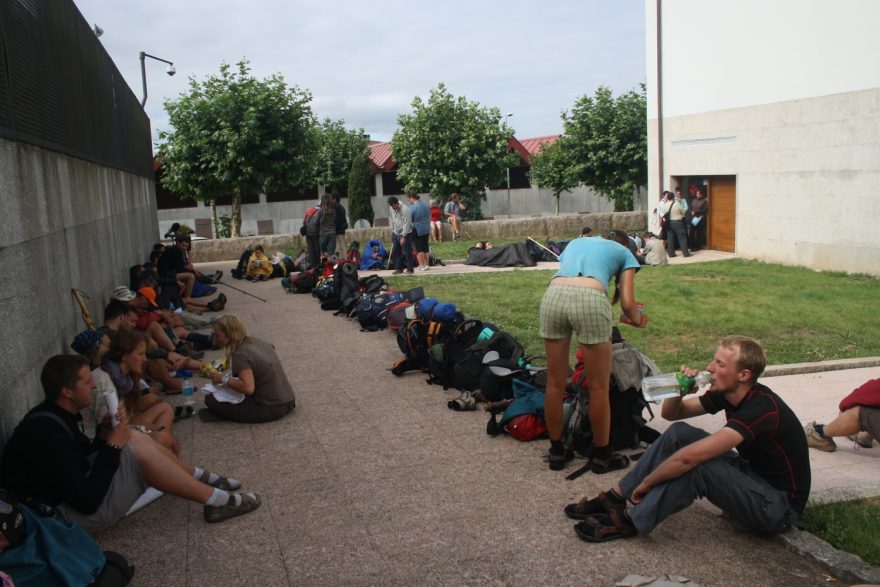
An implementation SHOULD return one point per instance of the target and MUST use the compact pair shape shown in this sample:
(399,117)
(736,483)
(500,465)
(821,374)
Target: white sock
(219,497)
(198,472)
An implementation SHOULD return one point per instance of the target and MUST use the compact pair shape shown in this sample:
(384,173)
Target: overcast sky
(364,62)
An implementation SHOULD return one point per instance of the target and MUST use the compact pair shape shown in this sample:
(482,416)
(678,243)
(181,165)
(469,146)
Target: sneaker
(220,513)
(409,271)
(817,441)
(863,439)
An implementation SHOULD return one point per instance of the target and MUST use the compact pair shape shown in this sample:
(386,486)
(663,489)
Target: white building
(773,107)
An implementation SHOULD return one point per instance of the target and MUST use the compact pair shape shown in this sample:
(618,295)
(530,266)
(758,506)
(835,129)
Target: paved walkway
(373,481)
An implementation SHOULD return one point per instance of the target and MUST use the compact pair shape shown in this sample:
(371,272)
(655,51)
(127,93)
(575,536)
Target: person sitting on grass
(259,268)
(859,419)
(653,250)
(764,484)
(255,371)
(48,460)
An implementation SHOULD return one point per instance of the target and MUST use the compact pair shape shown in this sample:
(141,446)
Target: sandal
(221,482)
(557,462)
(601,504)
(615,462)
(183,412)
(605,527)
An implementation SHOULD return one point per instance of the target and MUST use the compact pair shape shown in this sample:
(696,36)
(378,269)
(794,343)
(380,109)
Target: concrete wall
(287,216)
(541,228)
(67,223)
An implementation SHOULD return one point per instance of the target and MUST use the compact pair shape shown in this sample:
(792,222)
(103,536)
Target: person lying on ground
(124,363)
(859,419)
(255,371)
(48,460)
(259,268)
(764,484)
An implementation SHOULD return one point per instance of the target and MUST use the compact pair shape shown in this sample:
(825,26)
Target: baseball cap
(123,294)
(150,294)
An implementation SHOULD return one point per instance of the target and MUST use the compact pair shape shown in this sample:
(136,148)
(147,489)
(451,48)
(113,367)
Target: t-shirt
(595,257)
(773,440)
(452,208)
(271,386)
(436,214)
(421,218)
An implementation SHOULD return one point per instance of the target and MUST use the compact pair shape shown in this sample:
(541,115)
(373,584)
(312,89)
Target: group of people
(324,227)
(104,432)
(682,225)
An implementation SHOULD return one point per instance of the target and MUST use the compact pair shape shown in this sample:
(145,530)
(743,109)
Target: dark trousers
(727,481)
(312,250)
(698,235)
(676,236)
(401,254)
(248,411)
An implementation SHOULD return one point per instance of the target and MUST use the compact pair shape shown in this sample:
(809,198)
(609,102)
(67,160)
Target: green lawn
(852,526)
(800,315)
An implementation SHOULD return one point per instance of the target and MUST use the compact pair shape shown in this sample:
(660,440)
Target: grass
(800,315)
(852,526)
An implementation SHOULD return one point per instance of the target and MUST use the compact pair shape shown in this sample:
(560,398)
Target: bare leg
(157,333)
(188,280)
(166,472)
(597,367)
(158,369)
(557,375)
(845,424)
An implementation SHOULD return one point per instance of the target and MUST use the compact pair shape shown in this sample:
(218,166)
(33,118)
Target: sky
(364,62)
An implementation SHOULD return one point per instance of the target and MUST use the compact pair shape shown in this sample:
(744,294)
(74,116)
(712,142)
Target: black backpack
(372,311)
(241,269)
(496,381)
(451,364)
(416,338)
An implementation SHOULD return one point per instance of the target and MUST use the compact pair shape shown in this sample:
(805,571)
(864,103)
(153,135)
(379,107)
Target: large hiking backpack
(366,286)
(241,268)
(499,373)
(302,282)
(325,289)
(416,338)
(345,283)
(372,311)
(458,361)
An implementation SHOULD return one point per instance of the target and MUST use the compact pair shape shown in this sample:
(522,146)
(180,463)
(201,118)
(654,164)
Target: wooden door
(722,213)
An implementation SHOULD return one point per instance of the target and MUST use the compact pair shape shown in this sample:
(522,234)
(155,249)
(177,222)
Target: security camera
(171,70)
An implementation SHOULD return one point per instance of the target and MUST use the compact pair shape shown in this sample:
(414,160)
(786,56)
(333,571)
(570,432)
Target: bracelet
(116,446)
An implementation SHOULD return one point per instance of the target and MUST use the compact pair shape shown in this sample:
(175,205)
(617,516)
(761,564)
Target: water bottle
(188,392)
(657,388)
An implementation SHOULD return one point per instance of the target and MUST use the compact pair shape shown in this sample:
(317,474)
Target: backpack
(499,372)
(372,311)
(302,282)
(353,255)
(365,287)
(325,289)
(415,339)
(400,314)
(445,361)
(241,269)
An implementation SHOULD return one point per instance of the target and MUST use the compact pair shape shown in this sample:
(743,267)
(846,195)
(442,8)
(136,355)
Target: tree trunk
(214,222)
(557,203)
(236,215)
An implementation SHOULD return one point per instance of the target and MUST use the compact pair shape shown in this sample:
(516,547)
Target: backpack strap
(50,416)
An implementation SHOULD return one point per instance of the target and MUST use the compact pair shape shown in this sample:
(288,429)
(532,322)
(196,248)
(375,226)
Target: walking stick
(87,318)
(543,247)
(241,290)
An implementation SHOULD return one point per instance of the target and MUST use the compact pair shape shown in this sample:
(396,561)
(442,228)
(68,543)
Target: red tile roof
(380,155)
(537,144)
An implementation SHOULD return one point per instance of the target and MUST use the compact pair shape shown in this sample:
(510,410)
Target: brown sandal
(605,527)
(601,504)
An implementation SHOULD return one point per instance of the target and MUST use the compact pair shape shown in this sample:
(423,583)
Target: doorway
(720,190)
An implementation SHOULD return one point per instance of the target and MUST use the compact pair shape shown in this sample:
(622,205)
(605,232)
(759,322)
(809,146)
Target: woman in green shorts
(576,301)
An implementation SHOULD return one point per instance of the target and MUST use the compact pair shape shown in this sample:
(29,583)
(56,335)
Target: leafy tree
(359,197)
(606,142)
(235,134)
(447,145)
(553,168)
(336,148)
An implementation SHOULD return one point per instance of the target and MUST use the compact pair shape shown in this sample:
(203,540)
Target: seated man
(764,484)
(48,460)
(653,250)
(172,265)
(859,419)
(452,212)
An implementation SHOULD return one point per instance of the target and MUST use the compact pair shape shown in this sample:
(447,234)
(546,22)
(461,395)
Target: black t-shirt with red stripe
(774,443)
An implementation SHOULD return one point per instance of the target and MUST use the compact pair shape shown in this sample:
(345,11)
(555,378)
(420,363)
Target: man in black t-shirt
(764,484)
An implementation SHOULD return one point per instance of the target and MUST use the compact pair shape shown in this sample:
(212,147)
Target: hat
(150,294)
(123,294)
(12,523)
(86,340)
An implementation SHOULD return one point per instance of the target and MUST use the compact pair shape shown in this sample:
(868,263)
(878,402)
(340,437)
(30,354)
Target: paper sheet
(223,394)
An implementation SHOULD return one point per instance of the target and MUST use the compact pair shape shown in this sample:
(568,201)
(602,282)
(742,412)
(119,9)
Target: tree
(553,168)
(607,144)
(235,134)
(336,148)
(359,196)
(451,145)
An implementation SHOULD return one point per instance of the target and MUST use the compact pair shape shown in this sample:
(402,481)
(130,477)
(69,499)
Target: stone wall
(542,228)
(67,223)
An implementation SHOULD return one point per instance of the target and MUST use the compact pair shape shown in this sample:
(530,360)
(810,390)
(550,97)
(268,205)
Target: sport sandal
(601,504)
(615,462)
(605,527)
(221,482)
(220,513)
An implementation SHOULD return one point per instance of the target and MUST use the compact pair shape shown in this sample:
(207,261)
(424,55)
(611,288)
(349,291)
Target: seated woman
(259,268)
(124,364)
(255,371)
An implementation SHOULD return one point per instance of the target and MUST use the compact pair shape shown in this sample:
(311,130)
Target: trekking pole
(241,290)
(543,247)
(78,295)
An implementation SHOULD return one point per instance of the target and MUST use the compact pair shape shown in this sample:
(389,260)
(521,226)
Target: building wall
(67,223)
(785,96)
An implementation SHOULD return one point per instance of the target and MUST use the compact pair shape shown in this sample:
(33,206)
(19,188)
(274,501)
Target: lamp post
(169,70)
(506,117)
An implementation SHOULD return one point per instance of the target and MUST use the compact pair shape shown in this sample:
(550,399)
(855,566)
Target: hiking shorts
(127,486)
(421,242)
(572,308)
(869,420)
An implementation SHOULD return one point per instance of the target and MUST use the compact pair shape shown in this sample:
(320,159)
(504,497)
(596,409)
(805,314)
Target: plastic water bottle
(657,388)
(188,392)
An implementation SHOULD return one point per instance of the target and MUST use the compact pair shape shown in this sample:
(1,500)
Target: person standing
(421,222)
(677,233)
(576,301)
(311,220)
(401,236)
(452,211)
(697,226)
(327,227)
(341,222)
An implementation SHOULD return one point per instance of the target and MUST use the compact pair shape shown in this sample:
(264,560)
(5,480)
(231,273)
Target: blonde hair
(749,354)
(233,330)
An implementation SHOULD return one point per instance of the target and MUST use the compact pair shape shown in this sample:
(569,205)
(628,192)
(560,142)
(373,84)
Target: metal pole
(508,192)
(143,77)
